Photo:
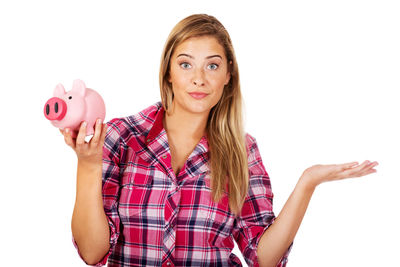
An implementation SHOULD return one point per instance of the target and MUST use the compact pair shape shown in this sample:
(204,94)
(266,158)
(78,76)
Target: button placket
(168,263)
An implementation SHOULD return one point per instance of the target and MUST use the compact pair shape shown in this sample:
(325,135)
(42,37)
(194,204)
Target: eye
(213,66)
(70,97)
(185,65)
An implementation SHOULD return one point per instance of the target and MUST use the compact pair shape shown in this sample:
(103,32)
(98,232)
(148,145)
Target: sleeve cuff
(283,261)
(113,241)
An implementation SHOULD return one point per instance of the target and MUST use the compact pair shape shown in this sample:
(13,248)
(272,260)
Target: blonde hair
(225,132)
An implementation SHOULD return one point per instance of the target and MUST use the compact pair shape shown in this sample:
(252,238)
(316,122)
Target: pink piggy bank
(70,109)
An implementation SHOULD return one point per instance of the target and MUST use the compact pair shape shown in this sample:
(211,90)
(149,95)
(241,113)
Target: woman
(176,183)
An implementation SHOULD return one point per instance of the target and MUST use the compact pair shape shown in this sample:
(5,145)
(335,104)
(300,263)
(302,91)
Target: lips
(198,95)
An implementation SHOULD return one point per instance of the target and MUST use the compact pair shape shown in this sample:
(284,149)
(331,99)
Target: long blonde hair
(225,132)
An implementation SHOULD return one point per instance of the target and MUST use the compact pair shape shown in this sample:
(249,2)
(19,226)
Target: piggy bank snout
(55,109)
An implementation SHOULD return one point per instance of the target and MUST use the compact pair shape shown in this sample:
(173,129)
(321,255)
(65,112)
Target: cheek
(220,91)
(179,82)
(219,82)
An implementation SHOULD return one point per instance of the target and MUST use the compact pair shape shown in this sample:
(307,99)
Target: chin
(198,107)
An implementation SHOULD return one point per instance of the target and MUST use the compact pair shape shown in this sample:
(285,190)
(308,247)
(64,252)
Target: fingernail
(67,130)
(84,124)
(98,121)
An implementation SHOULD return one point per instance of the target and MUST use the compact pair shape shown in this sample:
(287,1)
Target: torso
(180,151)
(181,142)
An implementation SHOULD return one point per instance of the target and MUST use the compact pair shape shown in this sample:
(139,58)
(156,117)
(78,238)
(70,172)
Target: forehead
(201,46)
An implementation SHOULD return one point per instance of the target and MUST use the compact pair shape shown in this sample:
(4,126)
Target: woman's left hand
(318,174)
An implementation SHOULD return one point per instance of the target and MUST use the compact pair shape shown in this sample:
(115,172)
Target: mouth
(198,95)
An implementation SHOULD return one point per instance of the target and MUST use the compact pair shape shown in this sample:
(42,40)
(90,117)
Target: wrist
(89,175)
(306,183)
(89,166)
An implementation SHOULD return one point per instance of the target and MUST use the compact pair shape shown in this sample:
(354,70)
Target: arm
(278,237)
(89,223)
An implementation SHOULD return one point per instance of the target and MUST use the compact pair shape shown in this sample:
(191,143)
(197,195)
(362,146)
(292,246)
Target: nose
(198,78)
(55,109)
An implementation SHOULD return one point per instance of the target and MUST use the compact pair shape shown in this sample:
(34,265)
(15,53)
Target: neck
(185,124)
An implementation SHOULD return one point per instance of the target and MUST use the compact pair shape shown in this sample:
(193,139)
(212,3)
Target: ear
(59,91)
(79,87)
(228,78)
(228,74)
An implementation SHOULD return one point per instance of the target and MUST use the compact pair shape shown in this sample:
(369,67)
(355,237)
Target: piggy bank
(70,109)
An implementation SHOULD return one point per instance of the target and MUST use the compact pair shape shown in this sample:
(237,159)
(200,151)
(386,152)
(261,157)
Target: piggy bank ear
(59,91)
(79,87)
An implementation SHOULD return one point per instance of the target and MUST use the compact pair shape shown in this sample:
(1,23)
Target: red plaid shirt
(159,219)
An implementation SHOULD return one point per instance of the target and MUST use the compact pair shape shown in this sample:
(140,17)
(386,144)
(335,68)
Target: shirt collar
(157,128)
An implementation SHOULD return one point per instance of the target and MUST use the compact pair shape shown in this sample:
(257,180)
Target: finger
(103,133)
(348,165)
(374,163)
(364,172)
(368,165)
(80,139)
(369,169)
(97,132)
(359,170)
(68,139)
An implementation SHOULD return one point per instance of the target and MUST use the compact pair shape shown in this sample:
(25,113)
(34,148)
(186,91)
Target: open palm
(318,174)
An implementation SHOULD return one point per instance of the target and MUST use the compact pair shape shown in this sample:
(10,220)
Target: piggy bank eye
(70,97)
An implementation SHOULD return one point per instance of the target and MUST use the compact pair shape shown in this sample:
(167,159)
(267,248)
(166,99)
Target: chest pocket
(135,195)
(217,218)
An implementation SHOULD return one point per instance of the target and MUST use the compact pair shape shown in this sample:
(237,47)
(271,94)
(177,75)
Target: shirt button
(148,140)
(164,156)
(169,263)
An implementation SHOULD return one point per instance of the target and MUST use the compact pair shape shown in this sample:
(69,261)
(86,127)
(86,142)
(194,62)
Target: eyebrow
(186,55)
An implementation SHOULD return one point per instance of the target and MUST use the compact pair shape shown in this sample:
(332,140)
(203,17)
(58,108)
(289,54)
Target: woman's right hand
(91,152)
(89,222)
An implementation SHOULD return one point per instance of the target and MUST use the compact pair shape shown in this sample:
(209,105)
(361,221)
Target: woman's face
(198,73)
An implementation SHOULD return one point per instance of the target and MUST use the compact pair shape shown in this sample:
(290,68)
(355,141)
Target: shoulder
(253,152)
(251,142)
(255,162)
(135,125)
(249,138)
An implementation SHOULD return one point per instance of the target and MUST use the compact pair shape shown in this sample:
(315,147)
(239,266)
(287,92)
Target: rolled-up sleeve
(257,213)
(110,185)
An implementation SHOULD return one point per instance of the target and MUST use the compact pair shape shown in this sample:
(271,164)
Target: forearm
(278,237)
(89,222)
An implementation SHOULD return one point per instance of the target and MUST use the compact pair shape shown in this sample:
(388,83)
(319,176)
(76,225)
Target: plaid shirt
(159,219)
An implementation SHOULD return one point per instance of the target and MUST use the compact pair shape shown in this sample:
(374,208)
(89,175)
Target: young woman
(177,182)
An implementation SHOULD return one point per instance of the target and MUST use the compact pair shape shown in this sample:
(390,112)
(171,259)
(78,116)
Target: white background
(320,82)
